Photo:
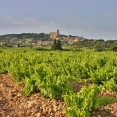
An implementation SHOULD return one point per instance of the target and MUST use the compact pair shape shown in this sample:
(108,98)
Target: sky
(92,19)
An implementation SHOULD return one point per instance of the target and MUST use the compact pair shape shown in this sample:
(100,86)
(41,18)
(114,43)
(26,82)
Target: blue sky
(92,19)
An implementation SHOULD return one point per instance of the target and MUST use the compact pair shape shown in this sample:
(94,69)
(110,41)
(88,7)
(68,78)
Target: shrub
(114,49)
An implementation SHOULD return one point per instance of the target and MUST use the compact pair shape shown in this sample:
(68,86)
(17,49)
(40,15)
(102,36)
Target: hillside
(26,39)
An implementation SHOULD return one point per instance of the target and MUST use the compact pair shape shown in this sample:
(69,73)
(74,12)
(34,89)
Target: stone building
(54,34)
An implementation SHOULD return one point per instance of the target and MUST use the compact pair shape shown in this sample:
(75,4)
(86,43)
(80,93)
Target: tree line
(35,36)
(98,45)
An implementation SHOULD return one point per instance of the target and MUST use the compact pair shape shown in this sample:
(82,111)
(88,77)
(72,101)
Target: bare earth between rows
(14,104)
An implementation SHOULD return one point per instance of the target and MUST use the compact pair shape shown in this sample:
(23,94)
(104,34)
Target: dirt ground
(14,104)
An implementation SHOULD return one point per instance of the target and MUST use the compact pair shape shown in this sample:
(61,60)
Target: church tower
(54,34)
(57,32)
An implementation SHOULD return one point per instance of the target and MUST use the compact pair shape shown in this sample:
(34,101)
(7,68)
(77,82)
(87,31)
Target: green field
(53,72)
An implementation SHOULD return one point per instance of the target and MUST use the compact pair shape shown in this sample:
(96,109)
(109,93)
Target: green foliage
(35,36)
(98,45)
(1,50)
(111,85)
(29,86)
(52,72)
(107,100)
(40,48)
(114,49)
(99,49)
(82,103)
(4,44)
(56,45)
(3,71)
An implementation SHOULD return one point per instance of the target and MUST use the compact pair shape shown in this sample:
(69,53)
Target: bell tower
(57,32)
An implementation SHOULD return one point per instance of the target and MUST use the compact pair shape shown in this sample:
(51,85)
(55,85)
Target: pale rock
(99,116)
(38,115)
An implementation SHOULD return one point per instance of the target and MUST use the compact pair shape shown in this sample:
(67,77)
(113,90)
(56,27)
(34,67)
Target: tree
(56,45)
(18,45)
(114,49)
(4,44)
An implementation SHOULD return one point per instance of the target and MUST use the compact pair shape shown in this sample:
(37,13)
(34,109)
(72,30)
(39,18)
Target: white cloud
(78,26)
(30,24)
(9,18)
(70,26)
(89,28)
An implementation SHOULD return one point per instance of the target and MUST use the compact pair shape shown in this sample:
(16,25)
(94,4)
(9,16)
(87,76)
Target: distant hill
(36,39)
(42,39)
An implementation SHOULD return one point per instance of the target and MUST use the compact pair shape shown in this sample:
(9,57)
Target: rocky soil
(14,104)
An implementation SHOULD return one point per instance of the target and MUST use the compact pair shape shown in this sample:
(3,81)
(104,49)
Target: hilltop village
(34,39)
(43,39)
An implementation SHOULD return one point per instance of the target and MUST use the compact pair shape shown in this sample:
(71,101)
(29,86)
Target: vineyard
(56,74)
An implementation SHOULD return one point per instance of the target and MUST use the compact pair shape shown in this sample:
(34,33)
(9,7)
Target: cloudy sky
(95,19)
